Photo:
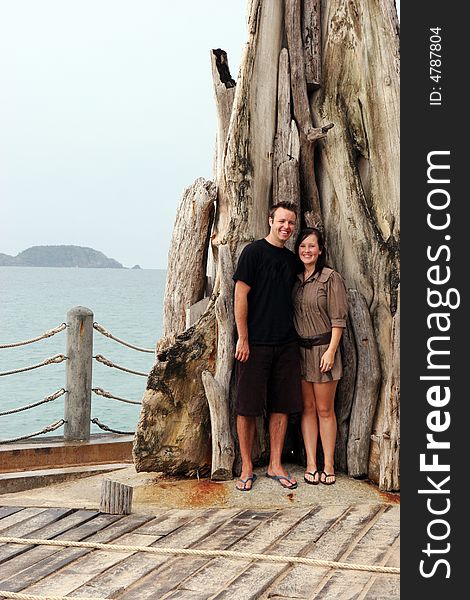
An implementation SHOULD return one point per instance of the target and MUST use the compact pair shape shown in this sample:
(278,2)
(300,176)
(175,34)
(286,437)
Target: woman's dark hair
(304,233)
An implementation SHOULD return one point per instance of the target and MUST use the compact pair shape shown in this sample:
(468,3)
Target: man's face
(282,225)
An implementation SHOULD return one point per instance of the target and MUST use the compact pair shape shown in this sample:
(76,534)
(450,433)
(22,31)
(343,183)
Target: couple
(290,311)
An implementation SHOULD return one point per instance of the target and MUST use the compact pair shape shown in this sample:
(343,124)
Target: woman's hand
(327,361)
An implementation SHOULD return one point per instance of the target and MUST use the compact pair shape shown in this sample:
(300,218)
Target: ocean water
(126,302)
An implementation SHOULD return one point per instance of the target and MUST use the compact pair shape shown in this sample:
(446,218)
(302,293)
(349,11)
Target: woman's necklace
(307,273)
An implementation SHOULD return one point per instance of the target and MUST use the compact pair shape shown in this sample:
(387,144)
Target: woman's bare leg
(309,426)
(324,394)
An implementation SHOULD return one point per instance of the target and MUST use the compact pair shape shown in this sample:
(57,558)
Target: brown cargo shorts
(269,380)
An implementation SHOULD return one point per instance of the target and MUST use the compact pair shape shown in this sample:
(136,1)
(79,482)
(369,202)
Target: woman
(320,310)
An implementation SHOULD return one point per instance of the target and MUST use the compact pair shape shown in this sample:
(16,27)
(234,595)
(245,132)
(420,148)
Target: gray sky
(106,115)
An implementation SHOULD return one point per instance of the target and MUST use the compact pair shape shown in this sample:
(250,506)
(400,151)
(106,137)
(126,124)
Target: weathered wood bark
(271,146)
(389,441)
(286,181)
(311,40)
(217,386)
(173,433)
(187,259)
(345,396)
(307,132)
(358,177)
(249,148)
(224,92)
(366,388)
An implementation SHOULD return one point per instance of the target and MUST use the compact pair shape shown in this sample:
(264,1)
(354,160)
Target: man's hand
(242,350)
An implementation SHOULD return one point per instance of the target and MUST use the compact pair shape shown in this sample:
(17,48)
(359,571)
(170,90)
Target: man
(268,367)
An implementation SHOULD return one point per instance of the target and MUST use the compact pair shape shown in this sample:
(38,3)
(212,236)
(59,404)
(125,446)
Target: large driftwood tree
(312,117)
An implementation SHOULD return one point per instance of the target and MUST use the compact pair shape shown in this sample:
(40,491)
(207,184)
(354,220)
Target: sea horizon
(126,302)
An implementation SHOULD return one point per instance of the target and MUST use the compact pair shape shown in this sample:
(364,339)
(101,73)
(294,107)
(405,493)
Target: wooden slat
(17,517)
(220,571)
(49,531)
(44,571)
(5,511)
(186,595)
(254,580)
(367,534)
(215,572)
(132,569)
(98,574)
(168,521)
(330,545)
(30,528)
(136,566)
(35,555)
(168,577)
(386,587)
(372,549)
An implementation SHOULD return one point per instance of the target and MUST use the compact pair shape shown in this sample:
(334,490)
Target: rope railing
(47,429)
(104,427)
(105,361)
(23,596)
(302,560)
(105,394)
(58,358)
(105,332)
(50,398)
(46,334)
(80,327)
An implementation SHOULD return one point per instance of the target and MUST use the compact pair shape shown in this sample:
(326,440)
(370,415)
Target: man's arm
(242,350)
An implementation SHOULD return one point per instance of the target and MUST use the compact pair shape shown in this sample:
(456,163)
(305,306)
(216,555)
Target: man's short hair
(292,206)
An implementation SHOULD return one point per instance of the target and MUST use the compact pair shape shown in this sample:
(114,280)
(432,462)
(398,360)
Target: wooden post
(77,409)
(116,498)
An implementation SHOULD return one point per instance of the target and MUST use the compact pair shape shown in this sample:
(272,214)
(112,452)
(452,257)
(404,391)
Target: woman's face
(309,251)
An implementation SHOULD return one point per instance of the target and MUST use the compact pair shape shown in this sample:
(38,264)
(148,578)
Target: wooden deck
(361,534)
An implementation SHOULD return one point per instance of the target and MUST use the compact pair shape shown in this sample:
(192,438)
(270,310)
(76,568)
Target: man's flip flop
(245,481)
(314,481)
(279,478)
(324,481)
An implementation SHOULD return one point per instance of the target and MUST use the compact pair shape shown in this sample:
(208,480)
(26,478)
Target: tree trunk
(366,387)
(187,259)
(173,433)
(339,66)
(358,180)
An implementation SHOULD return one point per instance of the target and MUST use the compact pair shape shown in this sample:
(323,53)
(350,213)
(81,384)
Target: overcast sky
(106,115)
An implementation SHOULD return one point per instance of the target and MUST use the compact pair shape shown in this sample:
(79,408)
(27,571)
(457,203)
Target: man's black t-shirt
(271,273)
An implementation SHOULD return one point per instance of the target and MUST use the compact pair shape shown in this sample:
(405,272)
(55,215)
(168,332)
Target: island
(60,256)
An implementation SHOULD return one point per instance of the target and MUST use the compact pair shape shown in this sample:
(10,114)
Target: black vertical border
(424,129)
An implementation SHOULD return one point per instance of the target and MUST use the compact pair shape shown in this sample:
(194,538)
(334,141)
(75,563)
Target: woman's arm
(328,359)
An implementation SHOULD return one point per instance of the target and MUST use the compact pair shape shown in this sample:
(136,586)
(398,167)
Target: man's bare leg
(246,428)
(277,435)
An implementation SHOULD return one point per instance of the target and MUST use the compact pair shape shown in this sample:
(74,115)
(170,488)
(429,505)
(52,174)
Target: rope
(47,429)
(195,552)
(46,334)
(102,359)
(20,596)
(101,392)
(54,359)
(53,396)
(105,332)
(106,428)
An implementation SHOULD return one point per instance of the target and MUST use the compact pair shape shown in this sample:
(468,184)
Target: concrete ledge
(55,452)
(28,480)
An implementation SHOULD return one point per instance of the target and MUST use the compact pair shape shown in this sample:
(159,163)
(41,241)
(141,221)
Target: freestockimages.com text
(441,300)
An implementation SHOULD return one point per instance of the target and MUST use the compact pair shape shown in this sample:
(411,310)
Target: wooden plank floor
(363,534)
